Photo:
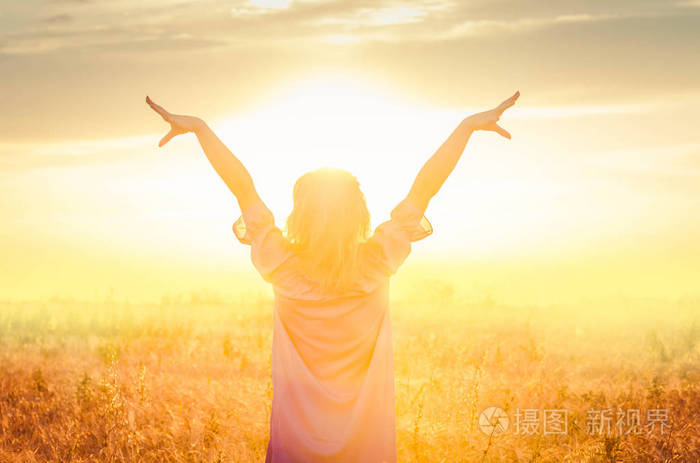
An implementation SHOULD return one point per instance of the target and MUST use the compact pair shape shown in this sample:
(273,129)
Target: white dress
(332,359)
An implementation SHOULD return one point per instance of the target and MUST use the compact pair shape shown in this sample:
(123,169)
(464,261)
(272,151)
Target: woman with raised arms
(332,359)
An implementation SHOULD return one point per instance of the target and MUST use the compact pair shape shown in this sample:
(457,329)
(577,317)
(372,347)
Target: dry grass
(189,381)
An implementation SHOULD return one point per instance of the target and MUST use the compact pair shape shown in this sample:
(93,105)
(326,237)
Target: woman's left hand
(488,120)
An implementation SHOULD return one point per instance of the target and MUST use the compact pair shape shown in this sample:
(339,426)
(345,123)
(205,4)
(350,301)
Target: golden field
(188,379)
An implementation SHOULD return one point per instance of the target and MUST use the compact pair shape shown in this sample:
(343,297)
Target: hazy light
(270,3)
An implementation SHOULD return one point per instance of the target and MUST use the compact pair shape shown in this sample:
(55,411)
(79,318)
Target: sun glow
(383,140)
(507,201)
(322,122)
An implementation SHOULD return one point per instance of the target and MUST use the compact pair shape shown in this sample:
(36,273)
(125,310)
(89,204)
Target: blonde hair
(328,223)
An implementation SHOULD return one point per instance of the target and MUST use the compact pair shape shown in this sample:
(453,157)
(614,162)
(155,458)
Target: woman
(332,360)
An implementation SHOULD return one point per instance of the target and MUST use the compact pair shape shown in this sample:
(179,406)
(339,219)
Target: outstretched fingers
(509,102)
(159,109)
(499,110)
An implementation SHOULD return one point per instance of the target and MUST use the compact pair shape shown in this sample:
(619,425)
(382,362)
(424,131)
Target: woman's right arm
(436,170)
(228,166)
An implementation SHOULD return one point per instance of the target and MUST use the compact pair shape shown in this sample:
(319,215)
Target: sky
(598,192)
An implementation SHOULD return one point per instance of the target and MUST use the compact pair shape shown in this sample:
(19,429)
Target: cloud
(118,41)
(274,4)
(520,25)
(284,23)
(58,19)
(146,31)
(259,8)
(404,13)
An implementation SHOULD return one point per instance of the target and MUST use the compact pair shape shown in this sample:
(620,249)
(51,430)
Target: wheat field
(188,379)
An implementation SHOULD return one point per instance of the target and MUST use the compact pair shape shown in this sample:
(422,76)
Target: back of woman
(332,359)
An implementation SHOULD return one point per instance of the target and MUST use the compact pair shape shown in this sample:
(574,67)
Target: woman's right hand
(488,120)
(178,124)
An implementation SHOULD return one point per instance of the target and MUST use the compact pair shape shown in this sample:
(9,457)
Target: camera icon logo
(493,421)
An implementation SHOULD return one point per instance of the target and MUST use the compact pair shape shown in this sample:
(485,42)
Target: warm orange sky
(602,175)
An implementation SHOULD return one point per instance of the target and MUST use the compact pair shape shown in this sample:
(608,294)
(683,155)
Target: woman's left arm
(229,168)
